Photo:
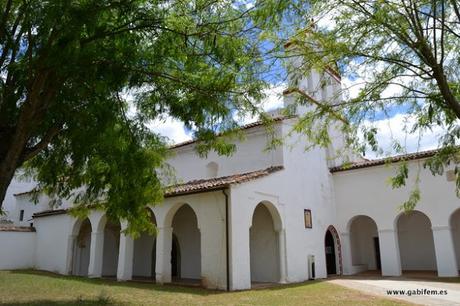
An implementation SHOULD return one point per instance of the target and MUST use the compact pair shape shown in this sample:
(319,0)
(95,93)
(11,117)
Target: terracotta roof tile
(196,186)
(49,213)
(11,228)
(382,161)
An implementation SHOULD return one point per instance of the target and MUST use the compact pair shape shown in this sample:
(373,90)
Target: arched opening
(82,248)
(455,227)
(186,245)
(365,245)
(144,257)
(416,245)
(111,248)
(332,252)
(264,247)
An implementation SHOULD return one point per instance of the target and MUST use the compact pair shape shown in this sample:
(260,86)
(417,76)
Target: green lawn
(29,287)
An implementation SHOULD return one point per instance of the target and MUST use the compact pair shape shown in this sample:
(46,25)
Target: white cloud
(273,100)
(171,128)
(395,129)
(175,129)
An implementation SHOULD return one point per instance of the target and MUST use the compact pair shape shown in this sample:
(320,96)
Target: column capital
(441,228)
(281,230)
(164,228)
(387,230)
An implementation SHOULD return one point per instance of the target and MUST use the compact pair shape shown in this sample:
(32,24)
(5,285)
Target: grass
(30,287)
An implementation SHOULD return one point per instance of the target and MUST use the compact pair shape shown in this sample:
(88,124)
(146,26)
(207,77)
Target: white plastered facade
(268,240)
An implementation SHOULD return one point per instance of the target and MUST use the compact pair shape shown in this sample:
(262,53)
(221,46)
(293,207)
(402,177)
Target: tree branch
(31,152)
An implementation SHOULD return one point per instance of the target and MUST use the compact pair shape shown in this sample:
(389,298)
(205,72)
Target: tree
(72,72)
(403,56)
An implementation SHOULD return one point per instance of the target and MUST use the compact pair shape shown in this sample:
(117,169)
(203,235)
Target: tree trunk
(13,158)
(6,175)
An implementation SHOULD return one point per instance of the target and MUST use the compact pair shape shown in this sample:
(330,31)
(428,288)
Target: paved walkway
(379,286)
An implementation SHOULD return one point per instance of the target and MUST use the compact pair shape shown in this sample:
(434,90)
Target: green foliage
(400,178)
(404,55)
(81,81)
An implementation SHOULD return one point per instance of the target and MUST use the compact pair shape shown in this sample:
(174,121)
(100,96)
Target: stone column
(240,258)
(282,255)
(389,252)
(446,260)
(347,262)
(163,258)
(96,253)
(125,255)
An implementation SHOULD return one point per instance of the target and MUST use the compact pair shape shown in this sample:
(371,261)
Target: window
(21,215)
(307,218)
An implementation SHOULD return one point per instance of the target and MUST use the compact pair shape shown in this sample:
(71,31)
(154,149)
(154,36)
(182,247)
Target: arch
(111,246)
(171,213)
(274,213)
(364,244)
(416,244)
(454,223)
(188,242)
(144,254)
(332,250)
(98,221)
(81,247)
(264,245)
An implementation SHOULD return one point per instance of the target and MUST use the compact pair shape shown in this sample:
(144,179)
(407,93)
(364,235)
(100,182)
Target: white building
(243,219)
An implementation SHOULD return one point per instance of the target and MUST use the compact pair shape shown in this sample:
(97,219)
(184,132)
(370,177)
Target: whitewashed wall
(24,202)
(17,185)
(367,192)
(53,247)
(250,156)
(17,250)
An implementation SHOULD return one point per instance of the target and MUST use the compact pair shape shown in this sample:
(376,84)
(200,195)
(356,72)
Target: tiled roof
(26,192)
(10,228)
(382,161)
(196,186)
(49,213)
(244,127)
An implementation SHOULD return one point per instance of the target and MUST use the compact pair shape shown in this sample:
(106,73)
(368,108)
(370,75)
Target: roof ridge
(195,186)
(382,161)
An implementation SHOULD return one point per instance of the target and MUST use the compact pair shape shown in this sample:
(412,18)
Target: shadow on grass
(115,283)
(172,288)
(62,303)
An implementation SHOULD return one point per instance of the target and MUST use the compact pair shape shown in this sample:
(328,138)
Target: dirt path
(414,290)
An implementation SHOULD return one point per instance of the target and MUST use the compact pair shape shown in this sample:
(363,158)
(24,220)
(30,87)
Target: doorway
(331,265)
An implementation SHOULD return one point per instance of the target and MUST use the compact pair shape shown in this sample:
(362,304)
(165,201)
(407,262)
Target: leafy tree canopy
(403,56)
(68,69)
